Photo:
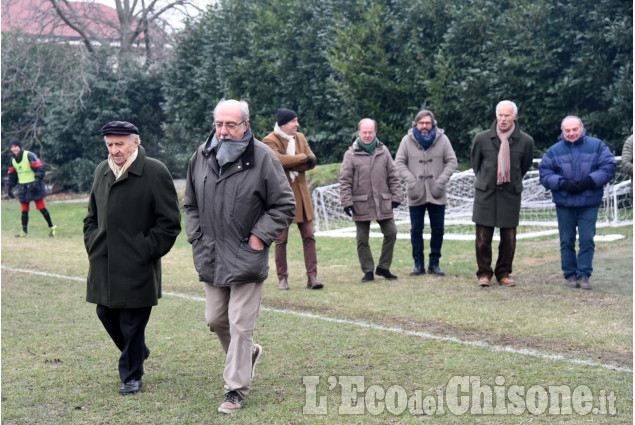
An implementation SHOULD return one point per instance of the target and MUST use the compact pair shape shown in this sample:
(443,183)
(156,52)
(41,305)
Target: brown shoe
(483,281)
(506,281)
(233,402)
(283,285)
(313,283)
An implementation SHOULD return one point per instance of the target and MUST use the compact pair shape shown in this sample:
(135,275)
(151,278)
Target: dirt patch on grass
(612,282)
(466,334)
(612,272)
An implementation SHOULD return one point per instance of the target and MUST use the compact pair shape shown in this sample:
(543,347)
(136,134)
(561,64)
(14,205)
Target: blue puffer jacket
(587,156)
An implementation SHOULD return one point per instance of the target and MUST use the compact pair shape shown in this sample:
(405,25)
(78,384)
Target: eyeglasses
(228,125)
(424,123)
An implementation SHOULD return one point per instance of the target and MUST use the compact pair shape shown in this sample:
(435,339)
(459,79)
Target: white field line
(424,335)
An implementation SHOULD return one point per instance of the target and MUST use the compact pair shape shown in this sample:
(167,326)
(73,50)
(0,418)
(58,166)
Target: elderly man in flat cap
(296,157)
(133,220)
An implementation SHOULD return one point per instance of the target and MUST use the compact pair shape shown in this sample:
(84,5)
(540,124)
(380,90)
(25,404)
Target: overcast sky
(175,18)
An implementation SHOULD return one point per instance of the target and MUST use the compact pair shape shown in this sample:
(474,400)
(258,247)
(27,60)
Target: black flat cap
(119,127)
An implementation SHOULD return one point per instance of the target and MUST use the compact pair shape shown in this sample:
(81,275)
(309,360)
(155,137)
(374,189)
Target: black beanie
(16,142)
(285,115)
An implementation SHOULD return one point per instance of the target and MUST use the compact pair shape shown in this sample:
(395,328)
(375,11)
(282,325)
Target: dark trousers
(308,244)
(436,214)
(126,327)
(506,249)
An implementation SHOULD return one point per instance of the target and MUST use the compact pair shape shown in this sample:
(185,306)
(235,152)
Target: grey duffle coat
(426,171)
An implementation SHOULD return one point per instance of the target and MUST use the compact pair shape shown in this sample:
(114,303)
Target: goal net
(537,211)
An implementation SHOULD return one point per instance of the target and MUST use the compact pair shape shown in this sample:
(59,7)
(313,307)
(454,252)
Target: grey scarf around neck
(229,150)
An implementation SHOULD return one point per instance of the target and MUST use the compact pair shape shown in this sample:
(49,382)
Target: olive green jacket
(131,223)
(499,205)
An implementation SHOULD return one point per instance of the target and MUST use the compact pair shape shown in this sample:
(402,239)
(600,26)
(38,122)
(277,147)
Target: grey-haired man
(237,200)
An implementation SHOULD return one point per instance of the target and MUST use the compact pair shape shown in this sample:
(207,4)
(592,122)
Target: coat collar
(359,150)
(283,141)
(135,168)
(494,136)
(243,163)
(515,134)
(440,132)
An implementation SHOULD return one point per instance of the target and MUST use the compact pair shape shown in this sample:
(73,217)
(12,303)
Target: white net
(537,213)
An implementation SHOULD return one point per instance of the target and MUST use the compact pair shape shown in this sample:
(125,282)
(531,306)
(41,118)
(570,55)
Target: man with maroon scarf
(500,158)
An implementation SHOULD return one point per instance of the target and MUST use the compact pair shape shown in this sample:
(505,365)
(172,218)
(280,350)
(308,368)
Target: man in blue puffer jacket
(575,170)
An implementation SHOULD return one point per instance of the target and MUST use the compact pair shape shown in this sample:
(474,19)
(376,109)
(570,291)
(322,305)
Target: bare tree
(34,75)
(137,23)
(137,28)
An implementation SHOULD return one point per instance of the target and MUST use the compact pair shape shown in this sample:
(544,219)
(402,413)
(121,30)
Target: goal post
(537,211)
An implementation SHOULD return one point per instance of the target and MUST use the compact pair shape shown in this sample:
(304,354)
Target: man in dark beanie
(133,220)
(293,151)
(27,171)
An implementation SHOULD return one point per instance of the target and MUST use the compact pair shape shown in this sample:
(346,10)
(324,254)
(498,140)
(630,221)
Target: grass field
(410,340)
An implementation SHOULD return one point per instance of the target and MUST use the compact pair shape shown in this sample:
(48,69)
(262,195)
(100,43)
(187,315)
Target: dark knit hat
(285,115)
(119,127)
(16,142)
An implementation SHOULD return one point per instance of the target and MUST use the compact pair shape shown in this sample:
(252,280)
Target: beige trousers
(231,313)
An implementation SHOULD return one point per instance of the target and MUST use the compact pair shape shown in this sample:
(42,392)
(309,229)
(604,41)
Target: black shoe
(435,270)
(583,281)
(131,387)
(368,276)
(418,270)
(385,273)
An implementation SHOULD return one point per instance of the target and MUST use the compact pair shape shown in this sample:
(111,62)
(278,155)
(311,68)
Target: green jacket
(131,224)
(499,206)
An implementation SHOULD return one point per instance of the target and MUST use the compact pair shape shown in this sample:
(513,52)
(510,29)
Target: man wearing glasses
(425,160)
(237,200)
